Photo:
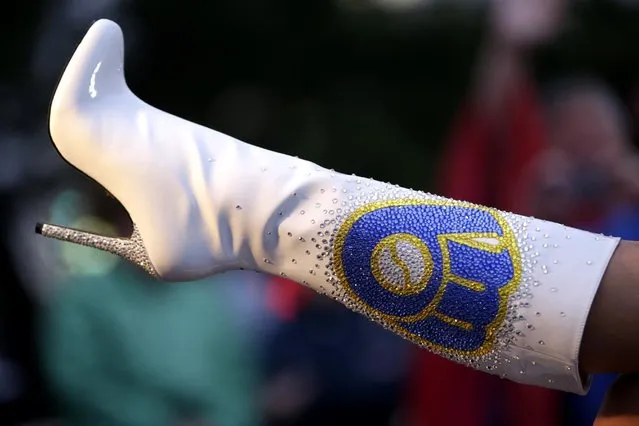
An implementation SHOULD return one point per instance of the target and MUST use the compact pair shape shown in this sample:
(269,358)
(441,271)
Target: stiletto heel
(131,249)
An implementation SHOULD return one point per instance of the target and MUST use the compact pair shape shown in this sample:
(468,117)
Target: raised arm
(610,344)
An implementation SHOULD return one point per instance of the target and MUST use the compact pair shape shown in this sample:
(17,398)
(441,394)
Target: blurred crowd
(88,340)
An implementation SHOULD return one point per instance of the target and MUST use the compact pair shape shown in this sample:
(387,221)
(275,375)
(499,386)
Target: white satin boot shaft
(502,293)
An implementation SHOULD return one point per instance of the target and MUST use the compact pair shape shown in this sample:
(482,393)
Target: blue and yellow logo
(440,272)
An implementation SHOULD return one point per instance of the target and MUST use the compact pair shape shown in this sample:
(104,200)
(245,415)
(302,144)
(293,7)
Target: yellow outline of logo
(507,242)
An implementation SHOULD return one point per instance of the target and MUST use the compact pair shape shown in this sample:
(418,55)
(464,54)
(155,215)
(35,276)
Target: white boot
(497,291)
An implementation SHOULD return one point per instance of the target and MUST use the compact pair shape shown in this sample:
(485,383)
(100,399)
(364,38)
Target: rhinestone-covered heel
(131,248)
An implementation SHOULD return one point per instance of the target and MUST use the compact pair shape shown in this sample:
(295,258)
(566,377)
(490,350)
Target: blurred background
(530,106)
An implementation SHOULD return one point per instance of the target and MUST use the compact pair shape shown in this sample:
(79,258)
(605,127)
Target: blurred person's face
(589,130)
(526,22)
